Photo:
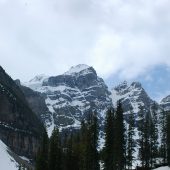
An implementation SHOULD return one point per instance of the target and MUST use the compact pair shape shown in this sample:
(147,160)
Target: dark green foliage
(42,157)
(119,139)
(109,141)
(55,151)
(148,133)
(153,136)
(144,138)
(130,141)
(115,145)
(78,150)
(141,128)
(163,122)
(146,148)
(88,145)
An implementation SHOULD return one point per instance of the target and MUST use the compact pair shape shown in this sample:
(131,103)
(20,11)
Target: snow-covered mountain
(165,103)
(132,96)
(72,95)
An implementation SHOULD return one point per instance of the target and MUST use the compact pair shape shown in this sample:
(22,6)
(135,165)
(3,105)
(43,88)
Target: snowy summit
(77,69)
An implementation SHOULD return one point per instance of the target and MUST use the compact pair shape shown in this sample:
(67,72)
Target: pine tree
(82,145)
(89,159)
(163,122)
(94,133)
(141,127)
(91,153)
(119,140)
(109,141)
(42,157)
(147,153)
(68,162)
(154,135)
(130,141)
(55,151)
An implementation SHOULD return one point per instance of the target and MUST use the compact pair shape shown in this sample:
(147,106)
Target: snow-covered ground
(6,161)
(163,168)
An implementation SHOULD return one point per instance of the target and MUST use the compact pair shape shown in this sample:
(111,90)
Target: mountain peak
(131,95)
(38,78)
(77,69)
(136,84)
(166,99)
(121,86)
(165,103)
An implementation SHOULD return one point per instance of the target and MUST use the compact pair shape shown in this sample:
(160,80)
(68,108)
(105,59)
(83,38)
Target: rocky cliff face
(131,96)
(20,128)
(165,103)
(36,102)
(71,96)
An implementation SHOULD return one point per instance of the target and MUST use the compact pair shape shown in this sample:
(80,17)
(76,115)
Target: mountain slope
(165,103)
(72,95)
(36,102)
(20,129)
(6,161)
(131,96)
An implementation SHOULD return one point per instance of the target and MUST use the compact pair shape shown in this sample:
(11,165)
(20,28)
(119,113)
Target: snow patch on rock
(6,161)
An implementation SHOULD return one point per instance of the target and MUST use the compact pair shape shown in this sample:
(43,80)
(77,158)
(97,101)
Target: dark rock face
(165,103)
(71,96)
(37,103)
(19,126)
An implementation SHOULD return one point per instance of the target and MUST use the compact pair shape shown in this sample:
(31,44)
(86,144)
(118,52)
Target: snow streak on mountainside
(71,96)
(163,168)
(132,96)
(165,103)
(6,161)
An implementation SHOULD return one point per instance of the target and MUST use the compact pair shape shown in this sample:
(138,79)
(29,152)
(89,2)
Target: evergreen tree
(154,135)
(42,157)
(141,127)
(55,151)
(91,153)
(89,159)
(94,133)
(163,122)
(147,151)
(109,141)
(82,145)
(130,141)
(67,163)
(119,140)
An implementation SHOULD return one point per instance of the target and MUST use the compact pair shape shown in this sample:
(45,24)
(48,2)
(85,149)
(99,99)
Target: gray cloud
(115,36)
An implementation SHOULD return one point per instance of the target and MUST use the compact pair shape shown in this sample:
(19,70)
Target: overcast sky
(126,39)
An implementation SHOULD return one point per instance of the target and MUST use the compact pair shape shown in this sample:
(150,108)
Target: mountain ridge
(70,90)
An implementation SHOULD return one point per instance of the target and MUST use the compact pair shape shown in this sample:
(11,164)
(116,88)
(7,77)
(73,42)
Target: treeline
(79,150)
(76,151)
(154,137)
